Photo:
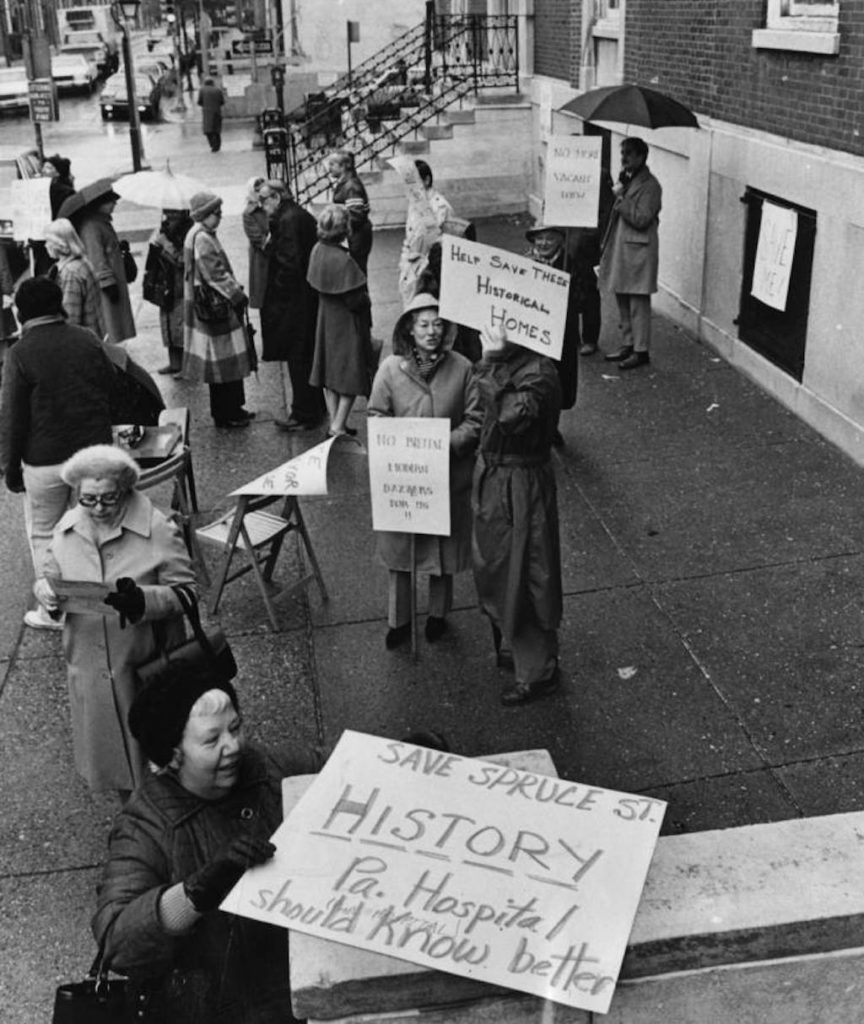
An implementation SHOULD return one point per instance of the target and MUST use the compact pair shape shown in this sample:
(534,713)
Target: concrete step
(413,146)
(436,132)
(463,115)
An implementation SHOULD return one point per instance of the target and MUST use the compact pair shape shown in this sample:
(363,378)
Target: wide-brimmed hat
(534,231)
(402,331)
(202,204)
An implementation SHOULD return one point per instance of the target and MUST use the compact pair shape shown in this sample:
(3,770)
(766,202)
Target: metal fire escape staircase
(389,98)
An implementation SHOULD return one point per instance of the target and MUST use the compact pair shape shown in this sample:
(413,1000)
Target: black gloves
(211,884)
(14,479)
(112,292)
(128,600)
(241,302)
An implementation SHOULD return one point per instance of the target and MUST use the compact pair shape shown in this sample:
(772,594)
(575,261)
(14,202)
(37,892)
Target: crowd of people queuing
(198,801)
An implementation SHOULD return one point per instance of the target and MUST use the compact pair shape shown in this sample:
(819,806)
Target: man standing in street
(58,385)
(290,307)
(349,191)
(211,99)
(628,265)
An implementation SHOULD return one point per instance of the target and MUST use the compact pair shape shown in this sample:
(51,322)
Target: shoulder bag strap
(190,609)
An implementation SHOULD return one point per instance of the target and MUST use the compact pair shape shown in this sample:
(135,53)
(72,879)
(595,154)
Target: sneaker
(38,618)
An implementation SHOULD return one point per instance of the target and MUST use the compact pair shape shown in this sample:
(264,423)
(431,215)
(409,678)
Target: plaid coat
(213,352)
(82,296)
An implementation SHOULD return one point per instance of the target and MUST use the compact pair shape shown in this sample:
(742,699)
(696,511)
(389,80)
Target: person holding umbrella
(630,253)
(90,211)
(163,283)
(216,346)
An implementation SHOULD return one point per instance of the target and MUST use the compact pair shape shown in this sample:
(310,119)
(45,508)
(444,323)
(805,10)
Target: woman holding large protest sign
(177,848)
(517,555)
(425,378)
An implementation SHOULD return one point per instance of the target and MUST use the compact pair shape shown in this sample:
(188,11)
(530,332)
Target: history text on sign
(409,474)
(461,865)
(486,287)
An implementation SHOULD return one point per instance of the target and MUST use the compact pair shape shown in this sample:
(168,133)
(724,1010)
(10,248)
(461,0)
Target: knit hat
(61,164)
(159,713)
(202,204)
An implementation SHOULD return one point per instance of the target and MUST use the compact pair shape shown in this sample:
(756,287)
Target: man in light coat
(628,265)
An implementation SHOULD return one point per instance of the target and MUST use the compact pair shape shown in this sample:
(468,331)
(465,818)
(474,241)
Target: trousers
(399,597)
(634,314)
(46,499)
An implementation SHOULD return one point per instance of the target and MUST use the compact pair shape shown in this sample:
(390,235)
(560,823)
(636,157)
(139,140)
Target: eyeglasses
(105,500)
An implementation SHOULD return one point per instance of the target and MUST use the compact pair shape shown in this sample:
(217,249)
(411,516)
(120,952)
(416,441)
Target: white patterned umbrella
(162,189)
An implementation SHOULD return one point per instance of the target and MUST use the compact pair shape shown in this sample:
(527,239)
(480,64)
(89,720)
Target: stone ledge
(796,41)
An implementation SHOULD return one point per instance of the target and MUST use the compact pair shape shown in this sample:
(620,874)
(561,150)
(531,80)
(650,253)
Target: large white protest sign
(573,172)
(774,251)
(31,208)
(305,474)
(461,865)
(409,474)
(486,287)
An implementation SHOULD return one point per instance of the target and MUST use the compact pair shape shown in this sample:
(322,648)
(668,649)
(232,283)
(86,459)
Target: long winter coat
(630,247)
(256,226)
(399,390)
(103,250)
(170,256)
(517,555)
(228,969)
(343,344)
(211,99)
(290,308)
(350,192)
(100,656)
(214,352)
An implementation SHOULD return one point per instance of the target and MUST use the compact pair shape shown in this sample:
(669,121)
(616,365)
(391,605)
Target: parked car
(13,89)
(102,51)
(74,72)
(114,100)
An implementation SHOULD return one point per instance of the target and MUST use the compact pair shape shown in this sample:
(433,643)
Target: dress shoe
(522,693)
(616,357)
(167,369)
(244,414)
(396,636)
(293,426)
(231,424)
(436,627)
(587,350)
(633,360)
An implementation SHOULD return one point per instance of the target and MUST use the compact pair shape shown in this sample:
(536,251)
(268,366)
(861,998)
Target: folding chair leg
(259,579)
(272,556)
(310,552)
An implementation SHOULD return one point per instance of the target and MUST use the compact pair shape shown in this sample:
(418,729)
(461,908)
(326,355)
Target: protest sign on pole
(461,865)
(573,172)
(31,208)
(486,287)
(409,474)
(774,252)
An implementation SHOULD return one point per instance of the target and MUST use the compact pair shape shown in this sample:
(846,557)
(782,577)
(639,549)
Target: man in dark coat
(349,191)
(211,99)
(58,390)
(516,549)
(290,307)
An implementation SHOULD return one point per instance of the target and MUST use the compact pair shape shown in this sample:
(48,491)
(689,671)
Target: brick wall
(700,52)
(557,28)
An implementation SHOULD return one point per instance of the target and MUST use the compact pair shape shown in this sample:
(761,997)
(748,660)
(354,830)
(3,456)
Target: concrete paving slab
(726,801)
(36,744)
(45,939)
(15,559)
(675,519)
(647,693)
(812,604)
(826,785)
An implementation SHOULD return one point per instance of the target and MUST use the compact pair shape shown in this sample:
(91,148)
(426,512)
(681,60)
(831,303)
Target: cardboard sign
(461,865)
(409,474)
(573,172)
(774,252)
(305,474)
(31,208)
(486,287)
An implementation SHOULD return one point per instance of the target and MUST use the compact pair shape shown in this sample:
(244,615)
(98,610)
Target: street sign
(43,100)
(243,47)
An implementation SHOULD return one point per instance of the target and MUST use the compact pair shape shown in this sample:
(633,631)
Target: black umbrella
(632,104)
(98,190)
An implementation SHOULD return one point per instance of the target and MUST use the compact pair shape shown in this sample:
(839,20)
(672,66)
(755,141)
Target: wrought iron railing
(392,95)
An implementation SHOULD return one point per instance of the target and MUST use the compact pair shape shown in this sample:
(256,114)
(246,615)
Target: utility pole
(37,54)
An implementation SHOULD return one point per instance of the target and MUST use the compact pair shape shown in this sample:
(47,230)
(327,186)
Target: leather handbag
(96,999)
(206,650)
(210,306)
(130,267)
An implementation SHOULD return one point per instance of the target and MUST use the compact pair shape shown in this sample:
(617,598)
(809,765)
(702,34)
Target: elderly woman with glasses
(424,377)
(115,537)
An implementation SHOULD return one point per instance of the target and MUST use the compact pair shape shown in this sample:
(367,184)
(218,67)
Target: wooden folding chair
(175,471)
(182,418)
(260,535)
